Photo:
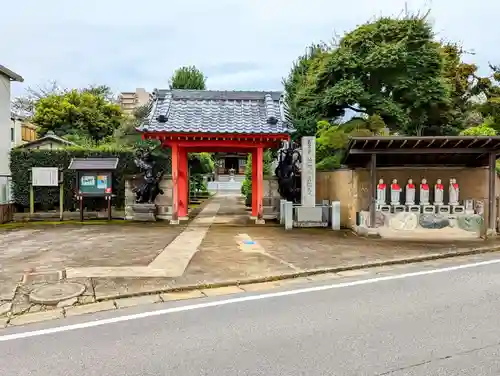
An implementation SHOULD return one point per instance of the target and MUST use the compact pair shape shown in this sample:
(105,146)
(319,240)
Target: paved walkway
(216,247)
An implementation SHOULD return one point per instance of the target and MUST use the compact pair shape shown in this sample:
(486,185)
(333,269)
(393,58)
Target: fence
(6,203)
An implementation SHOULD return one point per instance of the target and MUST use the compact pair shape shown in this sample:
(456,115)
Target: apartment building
(21,131)
(133,99)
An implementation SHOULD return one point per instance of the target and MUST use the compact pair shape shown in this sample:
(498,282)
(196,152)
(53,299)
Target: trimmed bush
(21,162)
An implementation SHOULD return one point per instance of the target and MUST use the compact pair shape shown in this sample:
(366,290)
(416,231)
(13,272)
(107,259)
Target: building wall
(5,122)
(351,187)
(130,100)
(46,145)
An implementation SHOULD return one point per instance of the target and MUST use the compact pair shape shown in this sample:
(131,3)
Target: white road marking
(191,307)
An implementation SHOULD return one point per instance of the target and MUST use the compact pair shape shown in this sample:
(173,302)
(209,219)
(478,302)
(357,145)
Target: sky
(238,44)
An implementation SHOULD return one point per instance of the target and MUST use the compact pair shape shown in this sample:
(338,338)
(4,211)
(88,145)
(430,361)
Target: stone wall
(351,187)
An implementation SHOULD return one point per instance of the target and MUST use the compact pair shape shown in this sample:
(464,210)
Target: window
(12,134)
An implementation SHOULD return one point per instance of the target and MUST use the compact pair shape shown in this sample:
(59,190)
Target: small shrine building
(234,123)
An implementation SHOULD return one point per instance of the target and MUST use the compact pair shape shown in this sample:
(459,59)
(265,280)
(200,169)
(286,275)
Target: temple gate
(188,121)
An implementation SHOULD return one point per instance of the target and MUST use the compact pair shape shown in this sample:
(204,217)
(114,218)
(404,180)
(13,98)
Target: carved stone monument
(438,193)
(424,192)
(453,192)
(381,191)
(381,201)
(395,193)
(410,197)
(438,198)
(410,193)
(456,208)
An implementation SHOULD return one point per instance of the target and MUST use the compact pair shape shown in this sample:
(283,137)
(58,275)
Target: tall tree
(77,111)
(188,77)
(390,67)
(25,104)
(303,120)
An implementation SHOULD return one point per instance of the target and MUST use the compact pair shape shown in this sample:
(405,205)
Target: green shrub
(246,187)
(21,162)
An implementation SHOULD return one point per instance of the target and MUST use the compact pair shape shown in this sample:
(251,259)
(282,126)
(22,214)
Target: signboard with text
(44,176)
(96,184)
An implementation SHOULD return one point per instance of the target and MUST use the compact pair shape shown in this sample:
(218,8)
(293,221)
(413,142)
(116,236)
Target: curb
(310,272)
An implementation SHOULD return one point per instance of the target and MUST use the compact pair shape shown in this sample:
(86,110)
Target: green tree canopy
(82,112)
(188,77)
(390,67)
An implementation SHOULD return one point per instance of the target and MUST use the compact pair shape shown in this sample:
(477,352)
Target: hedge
(21,162)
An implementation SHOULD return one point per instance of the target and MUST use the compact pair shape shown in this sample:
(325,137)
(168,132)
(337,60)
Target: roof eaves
(13,76)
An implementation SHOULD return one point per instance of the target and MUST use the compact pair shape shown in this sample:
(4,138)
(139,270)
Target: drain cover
(54,293)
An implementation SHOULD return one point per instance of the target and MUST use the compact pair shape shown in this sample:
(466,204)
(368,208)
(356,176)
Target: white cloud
(238,44)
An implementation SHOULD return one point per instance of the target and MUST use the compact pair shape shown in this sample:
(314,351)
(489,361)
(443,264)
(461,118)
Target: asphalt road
(438,324)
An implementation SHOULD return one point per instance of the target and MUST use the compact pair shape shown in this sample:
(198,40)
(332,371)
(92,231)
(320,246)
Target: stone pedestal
(143,212)
(163,202)
(428,209)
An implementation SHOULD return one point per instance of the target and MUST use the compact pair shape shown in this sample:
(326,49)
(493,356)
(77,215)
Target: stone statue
(453,191)
(288,172)
(438,192)
(395,193)
(381,189)
(410,193)
(231,174)
(424,192)
(146,193)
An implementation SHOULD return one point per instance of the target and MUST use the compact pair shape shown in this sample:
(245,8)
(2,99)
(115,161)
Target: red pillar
(260,181)
(183,184)
(255,205)
(175,182)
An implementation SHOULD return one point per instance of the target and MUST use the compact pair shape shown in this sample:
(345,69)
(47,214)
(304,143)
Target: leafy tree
(188,77)
(332,138)
(304,121)
(490,107)
(25,105)
(390,67)
(77,112)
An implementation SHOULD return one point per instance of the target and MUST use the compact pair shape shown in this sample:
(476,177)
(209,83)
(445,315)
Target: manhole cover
(56,292)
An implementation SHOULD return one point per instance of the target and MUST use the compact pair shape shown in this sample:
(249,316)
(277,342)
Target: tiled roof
(207,111)
(93,164)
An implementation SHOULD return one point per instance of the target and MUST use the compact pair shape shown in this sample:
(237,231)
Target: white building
(6,76)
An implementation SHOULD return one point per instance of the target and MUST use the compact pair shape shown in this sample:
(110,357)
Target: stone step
(226,178)
(224,186)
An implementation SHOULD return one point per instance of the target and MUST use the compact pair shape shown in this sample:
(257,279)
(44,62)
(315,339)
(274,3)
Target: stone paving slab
(51,248)
(7,289)
(137,300)
(260,286)
(222,291)
(112,288)
(5,307)
(30,318)
(90,308)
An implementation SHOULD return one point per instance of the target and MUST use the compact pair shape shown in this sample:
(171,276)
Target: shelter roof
(393,151)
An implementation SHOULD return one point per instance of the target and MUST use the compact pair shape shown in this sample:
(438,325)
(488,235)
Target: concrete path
(171,262)
(423,322)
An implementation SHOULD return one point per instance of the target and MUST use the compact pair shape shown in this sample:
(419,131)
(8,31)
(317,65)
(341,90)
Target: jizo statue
(424,192)
(410,193)
(395,193)
(381,192)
